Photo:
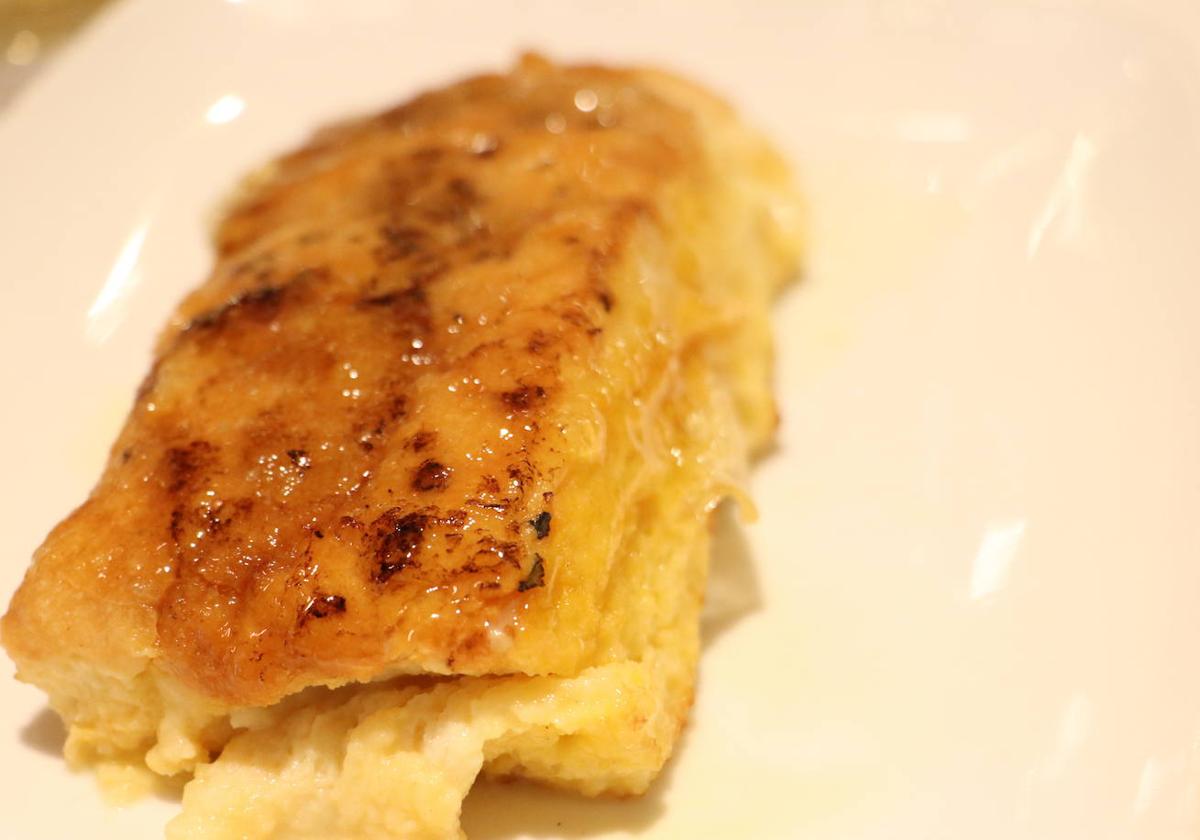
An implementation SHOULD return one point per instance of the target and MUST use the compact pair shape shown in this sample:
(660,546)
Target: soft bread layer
(397,762)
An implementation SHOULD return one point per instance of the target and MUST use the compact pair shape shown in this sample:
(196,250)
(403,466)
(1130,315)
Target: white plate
(971,608)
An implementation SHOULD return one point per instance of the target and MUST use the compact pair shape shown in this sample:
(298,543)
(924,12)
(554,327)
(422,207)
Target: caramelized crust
(349,458)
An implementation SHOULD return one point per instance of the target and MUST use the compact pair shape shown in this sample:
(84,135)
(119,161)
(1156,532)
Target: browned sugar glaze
(343,457)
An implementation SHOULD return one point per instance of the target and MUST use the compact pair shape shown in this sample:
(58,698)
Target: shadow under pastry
(733,591)
(45,732)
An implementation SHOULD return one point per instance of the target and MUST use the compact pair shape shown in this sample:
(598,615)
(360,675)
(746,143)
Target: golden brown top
(344,460)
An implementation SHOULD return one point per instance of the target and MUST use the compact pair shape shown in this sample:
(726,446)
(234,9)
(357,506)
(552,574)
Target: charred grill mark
(299,458)
(422,440)
(489,495)
(492,554)
(453,519)
(483,350)
(455,205)
(395,541)
(176,526)
(579,319)
(183,463)
(538,342)
(520,474)
(320,606)
(394,408)
(541,524)
(523,398)
(536,577)
(398,242)
(209,518)
(431,475)
(259,305)
(213,523)
(412,296)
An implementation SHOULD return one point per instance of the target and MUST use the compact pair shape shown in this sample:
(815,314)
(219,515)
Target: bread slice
(419,481)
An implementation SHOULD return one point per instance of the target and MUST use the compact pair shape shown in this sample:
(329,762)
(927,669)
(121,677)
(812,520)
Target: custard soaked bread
(419,482)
